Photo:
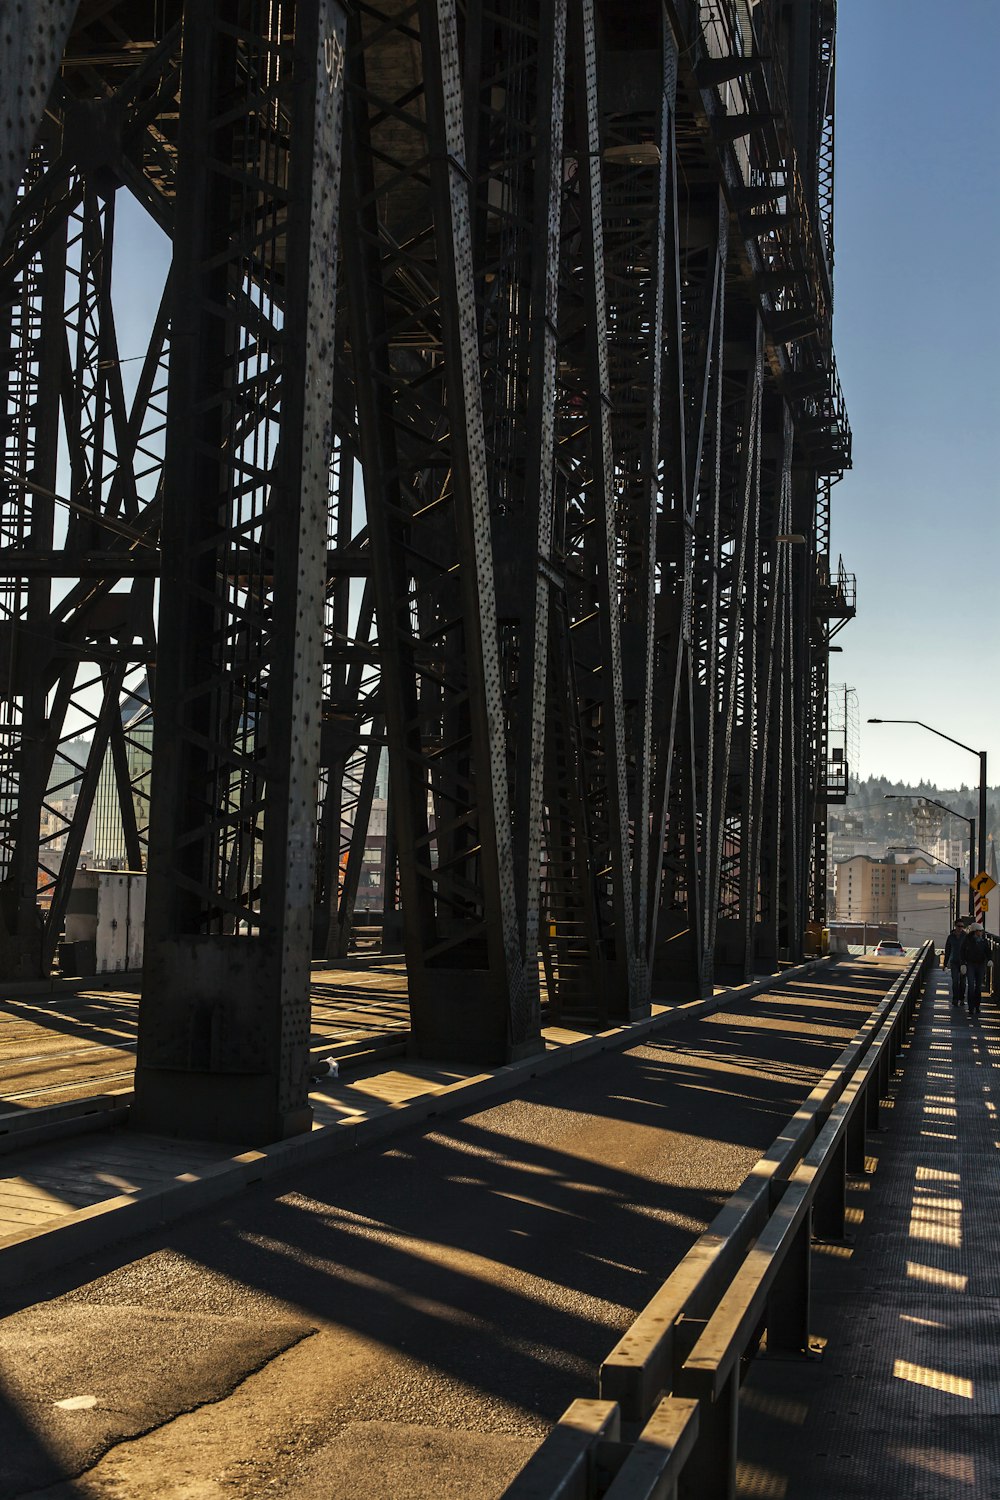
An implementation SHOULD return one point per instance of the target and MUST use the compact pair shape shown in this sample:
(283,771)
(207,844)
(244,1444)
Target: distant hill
(898,822)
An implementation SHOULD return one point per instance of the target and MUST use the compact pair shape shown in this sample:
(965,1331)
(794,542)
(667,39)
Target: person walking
(953,961)
(975,952)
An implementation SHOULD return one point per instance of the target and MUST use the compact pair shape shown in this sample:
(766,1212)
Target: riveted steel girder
(517,518)
(244,529)
(415,340)
(33,43)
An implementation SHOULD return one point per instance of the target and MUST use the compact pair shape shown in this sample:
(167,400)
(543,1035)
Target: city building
(926,907)
(53,825)
(866,887)
(371,883)
(106,833)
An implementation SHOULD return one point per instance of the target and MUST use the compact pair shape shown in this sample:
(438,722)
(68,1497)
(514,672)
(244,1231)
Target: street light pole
(982,773)
(918,797)
(982,812)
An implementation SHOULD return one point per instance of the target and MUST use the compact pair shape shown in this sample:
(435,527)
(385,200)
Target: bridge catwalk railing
(666,1418)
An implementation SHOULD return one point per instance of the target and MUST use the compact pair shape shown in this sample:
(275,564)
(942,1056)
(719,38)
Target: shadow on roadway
(493,1259)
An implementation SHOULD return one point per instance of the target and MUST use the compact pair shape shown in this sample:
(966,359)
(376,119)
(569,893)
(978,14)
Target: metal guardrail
(669,1390)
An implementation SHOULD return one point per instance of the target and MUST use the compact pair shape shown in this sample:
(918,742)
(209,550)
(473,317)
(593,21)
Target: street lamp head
(981,754)
(637,154)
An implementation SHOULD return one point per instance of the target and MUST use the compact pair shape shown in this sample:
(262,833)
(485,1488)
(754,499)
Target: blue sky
(917,330)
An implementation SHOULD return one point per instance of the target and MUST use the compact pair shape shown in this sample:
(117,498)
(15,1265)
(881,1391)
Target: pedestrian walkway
(905,1399)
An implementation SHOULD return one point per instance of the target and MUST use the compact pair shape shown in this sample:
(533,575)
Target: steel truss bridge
(489,416)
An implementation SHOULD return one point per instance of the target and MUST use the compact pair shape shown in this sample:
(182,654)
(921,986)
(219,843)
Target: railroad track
(38,1079)
(41,1078)
(46,1093)
(72,1045)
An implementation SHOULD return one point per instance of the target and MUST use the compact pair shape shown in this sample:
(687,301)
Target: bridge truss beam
(493,442)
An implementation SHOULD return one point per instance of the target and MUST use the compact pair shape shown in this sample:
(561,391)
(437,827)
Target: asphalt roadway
(408,1321)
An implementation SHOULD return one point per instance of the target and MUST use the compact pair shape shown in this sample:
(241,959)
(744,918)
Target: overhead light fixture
(634,154)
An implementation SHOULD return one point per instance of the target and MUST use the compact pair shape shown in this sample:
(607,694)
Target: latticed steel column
(706,485)
(672,862)
(31,339)
(637,103)
(768,866)
(353,735)
(515,87)
(689,564)
(415,344)
(224,1023)
(587,793)
(736,712)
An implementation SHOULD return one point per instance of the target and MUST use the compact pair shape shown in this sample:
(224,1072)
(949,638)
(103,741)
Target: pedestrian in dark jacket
(975,952)
(952,961)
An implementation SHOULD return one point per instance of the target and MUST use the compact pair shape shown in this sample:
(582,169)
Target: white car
(889,948)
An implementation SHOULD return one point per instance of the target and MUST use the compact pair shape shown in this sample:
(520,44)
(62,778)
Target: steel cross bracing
(415,340)
(73,647)
(353,729)
(579,387)
(517,56)
(246,481)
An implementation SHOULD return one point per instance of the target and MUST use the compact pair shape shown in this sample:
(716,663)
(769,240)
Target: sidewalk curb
(87,1230)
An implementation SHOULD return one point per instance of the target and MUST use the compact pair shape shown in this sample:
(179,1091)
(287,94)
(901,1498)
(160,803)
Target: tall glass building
(109,850)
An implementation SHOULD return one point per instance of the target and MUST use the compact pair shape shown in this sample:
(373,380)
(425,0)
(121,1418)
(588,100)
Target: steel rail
(61,1057)
(71,1083)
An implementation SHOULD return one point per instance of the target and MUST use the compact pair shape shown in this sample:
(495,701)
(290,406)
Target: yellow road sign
(983,883)
(984,905)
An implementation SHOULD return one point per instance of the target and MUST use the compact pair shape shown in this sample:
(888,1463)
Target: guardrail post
(915,995)
(902,1030)
(788,1303)
(892,1046)
(687,1331)
(830,1203)
(873,1094)
(564,1466)
(710,1472)
(884,1072)
(856,1138)
(653,1466)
